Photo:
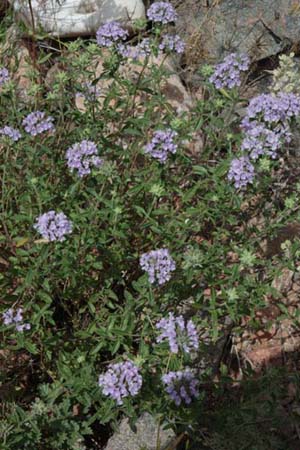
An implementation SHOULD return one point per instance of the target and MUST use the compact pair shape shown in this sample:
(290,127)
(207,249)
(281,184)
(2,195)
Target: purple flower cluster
(241,172)
(10,317)
(10,132)
(53,226)
(270,108)
(121,380)
(172,43)
(266,128)
(37,122)
(158,264)
(141,50)
(260,140)
(228,73)
(89,91)
(178,333)
(266,124)
(181,386)
(110,33)
(4,76)
(162,12)
(82,156)
(162,145)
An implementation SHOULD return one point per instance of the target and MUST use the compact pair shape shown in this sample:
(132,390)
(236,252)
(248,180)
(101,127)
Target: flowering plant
(124,286)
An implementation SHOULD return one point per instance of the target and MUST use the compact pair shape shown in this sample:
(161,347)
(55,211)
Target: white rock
(71,18)
(149,435)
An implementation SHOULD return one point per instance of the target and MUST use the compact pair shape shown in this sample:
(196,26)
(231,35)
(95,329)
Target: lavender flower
(181,386)
(178,333)
(110,33)
(172,43)
(260,140)
(144,47)
(37,122)
(267,123)
(121,380)
(270,108)
(4,76)
(82,156)
(89,92)
(141,50)
(10,132)
(53,226)
(241,172)
(159,265)
(162,144)
(23,326)
(10,317)
(162,12)
(227,74)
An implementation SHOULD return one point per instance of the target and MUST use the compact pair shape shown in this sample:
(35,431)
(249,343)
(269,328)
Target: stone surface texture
(149,435)
(216,28)
(278,336)
(283,282)
(72,18)
(172,87)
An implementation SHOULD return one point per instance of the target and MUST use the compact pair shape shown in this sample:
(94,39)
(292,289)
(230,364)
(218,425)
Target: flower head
(53,226)
(10,132)
(261,140)
(16,318)
(162,145)
(82,156)
(37,122)
(266,125)
(286,76)
(4,76)
(159,265)
(271,108)
(181,386)
(110,33)
(8,316)
(89,91)
(241,172)
(172,43)
(121,380)
(227,74)
(178,333)
(141,50)
(162,12)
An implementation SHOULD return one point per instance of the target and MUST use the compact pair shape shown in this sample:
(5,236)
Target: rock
(296,287)
(172,87)
(72,18)
(250,26)
(289,232)
(283,283)
(21,76)
(17,58)
(148,432)
(10,42)
(270,345)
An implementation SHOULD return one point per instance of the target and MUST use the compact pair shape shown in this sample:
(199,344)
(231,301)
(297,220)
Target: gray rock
(258,27)
(283,282)
(147,436)
(72,18)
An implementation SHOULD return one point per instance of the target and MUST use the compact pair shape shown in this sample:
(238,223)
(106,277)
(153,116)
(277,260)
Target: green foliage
(87,299)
